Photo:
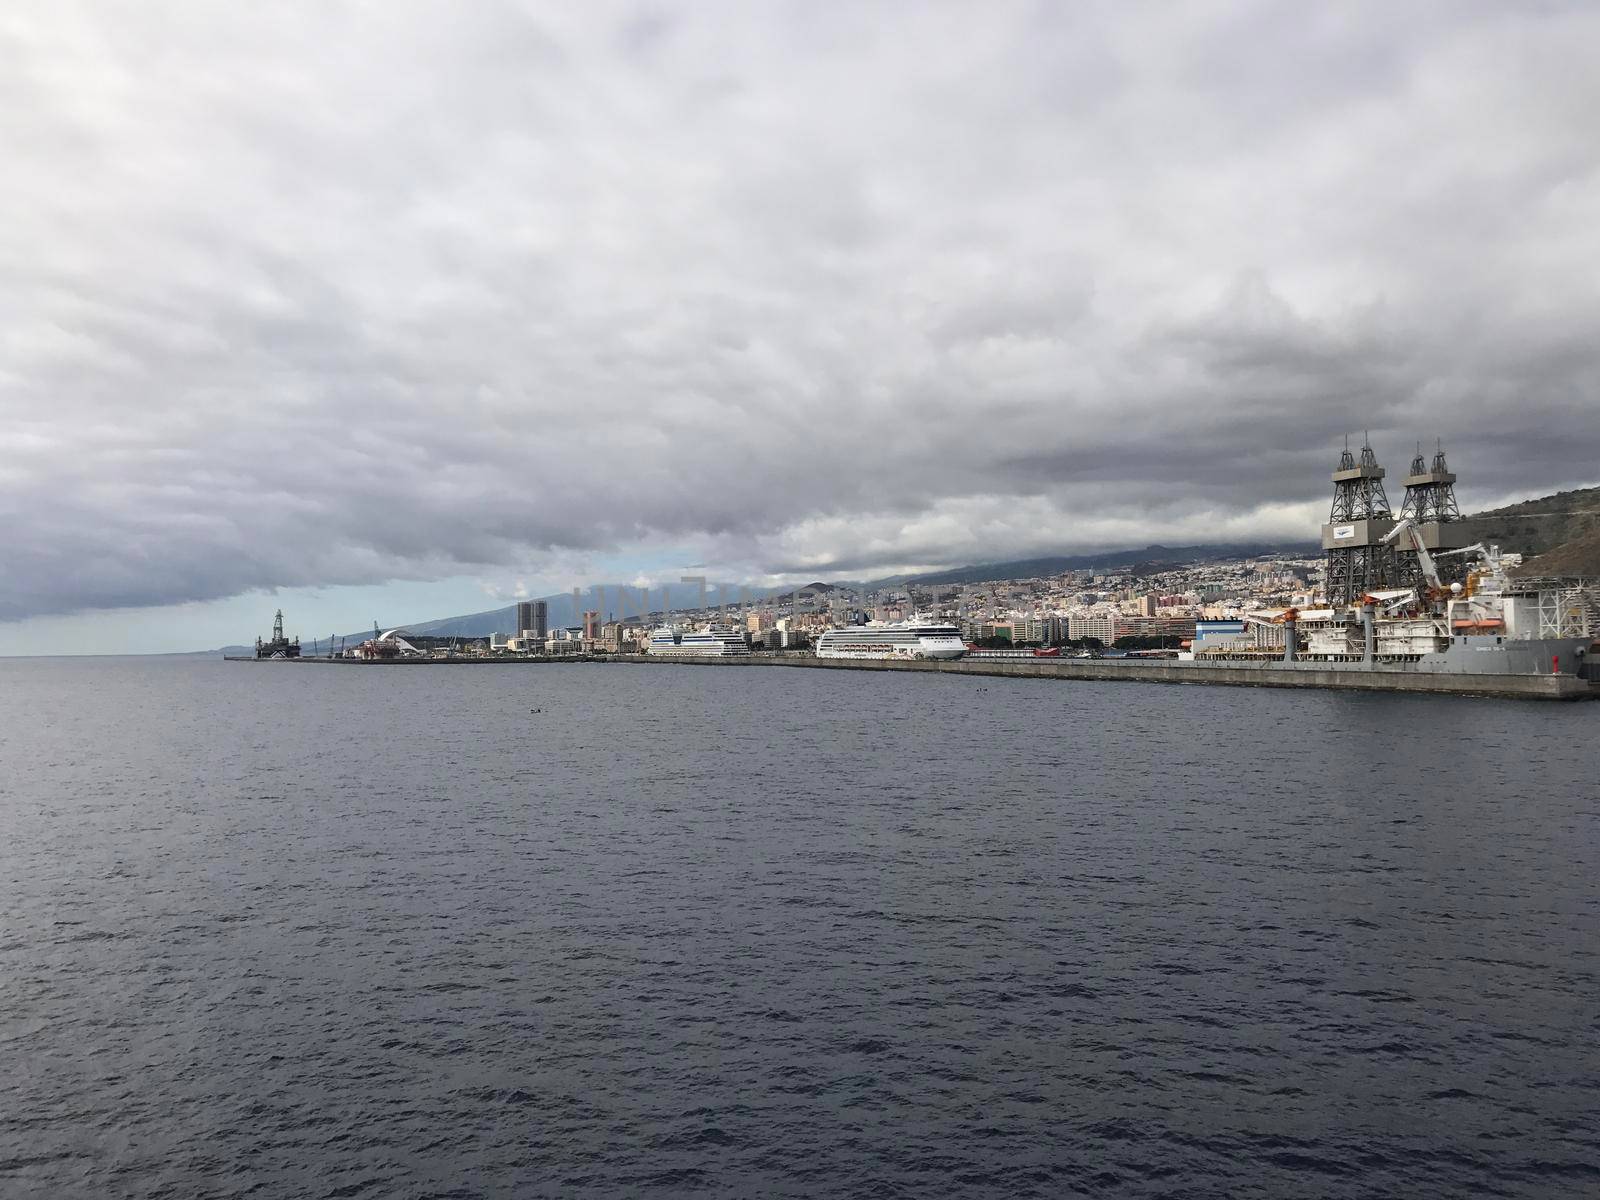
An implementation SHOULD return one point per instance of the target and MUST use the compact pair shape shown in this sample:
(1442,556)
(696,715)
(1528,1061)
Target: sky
(406,306)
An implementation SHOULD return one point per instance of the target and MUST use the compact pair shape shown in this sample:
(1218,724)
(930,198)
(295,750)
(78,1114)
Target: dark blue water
(284,931)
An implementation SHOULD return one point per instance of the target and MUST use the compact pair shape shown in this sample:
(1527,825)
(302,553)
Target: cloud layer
(326,294)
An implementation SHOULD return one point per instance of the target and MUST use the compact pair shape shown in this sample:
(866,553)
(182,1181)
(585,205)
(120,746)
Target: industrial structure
(1430,506)
(1359,560)
(1365,553)
(279,646)
(1410,593)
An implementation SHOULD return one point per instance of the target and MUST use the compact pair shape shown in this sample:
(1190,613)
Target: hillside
(1154,557)
(1559,534)
(1578,557)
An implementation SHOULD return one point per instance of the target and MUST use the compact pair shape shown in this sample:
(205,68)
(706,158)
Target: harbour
(1403,602)
(1141,767)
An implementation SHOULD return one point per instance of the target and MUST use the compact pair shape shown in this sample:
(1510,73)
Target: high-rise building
(533,619)
(591,626)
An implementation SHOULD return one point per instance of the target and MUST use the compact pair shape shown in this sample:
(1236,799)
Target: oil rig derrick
(279,646)
(1430,502)
(1358,560)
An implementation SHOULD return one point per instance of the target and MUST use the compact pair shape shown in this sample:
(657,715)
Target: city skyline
(366,315)
(226,620)
(1106,601)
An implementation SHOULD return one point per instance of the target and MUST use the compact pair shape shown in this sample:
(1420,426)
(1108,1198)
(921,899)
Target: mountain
(1559,534)
(1578,556)
(560,611)
(1153,557)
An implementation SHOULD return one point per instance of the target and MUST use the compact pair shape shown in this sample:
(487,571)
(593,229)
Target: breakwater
(1336,676)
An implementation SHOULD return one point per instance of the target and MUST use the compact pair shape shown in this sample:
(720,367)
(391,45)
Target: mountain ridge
(1154,555)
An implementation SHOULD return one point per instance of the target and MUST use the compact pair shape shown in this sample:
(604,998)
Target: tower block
(1357,560)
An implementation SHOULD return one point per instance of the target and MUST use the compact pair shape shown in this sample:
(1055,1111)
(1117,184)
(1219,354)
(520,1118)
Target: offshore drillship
(1407,595)
(916,638)
(713,640)
(1492,624)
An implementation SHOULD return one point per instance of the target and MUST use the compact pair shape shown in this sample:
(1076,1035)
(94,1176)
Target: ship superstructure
(712,640)
(917,638)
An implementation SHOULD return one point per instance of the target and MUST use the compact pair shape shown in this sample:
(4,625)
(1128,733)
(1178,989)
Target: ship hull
(934,651)
(1471,655)
(913,641)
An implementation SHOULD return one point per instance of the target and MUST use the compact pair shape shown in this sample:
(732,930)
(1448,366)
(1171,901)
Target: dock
(1330,676)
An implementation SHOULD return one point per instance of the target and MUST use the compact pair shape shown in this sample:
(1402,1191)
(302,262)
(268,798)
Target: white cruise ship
(713,640)
(917,638)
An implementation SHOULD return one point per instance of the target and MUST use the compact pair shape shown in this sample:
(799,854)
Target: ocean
(578,930)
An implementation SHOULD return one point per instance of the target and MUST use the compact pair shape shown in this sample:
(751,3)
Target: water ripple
(289,931)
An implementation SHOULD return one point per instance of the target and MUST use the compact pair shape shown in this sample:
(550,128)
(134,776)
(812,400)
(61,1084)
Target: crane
(1430,571)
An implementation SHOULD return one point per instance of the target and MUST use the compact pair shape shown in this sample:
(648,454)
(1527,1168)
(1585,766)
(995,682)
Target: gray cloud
(342,294)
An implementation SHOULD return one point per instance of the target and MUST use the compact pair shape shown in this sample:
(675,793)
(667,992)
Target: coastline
(1330,676)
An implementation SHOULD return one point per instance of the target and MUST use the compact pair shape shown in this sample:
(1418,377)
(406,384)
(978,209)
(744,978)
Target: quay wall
(1339,677)
(1232,674)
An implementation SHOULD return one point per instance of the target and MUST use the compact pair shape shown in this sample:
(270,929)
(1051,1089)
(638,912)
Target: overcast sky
(412,303)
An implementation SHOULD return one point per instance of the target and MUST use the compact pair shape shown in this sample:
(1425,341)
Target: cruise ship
(916,638)
(713,640)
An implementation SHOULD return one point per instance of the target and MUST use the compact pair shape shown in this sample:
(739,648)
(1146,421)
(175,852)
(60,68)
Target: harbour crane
(1489,557)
